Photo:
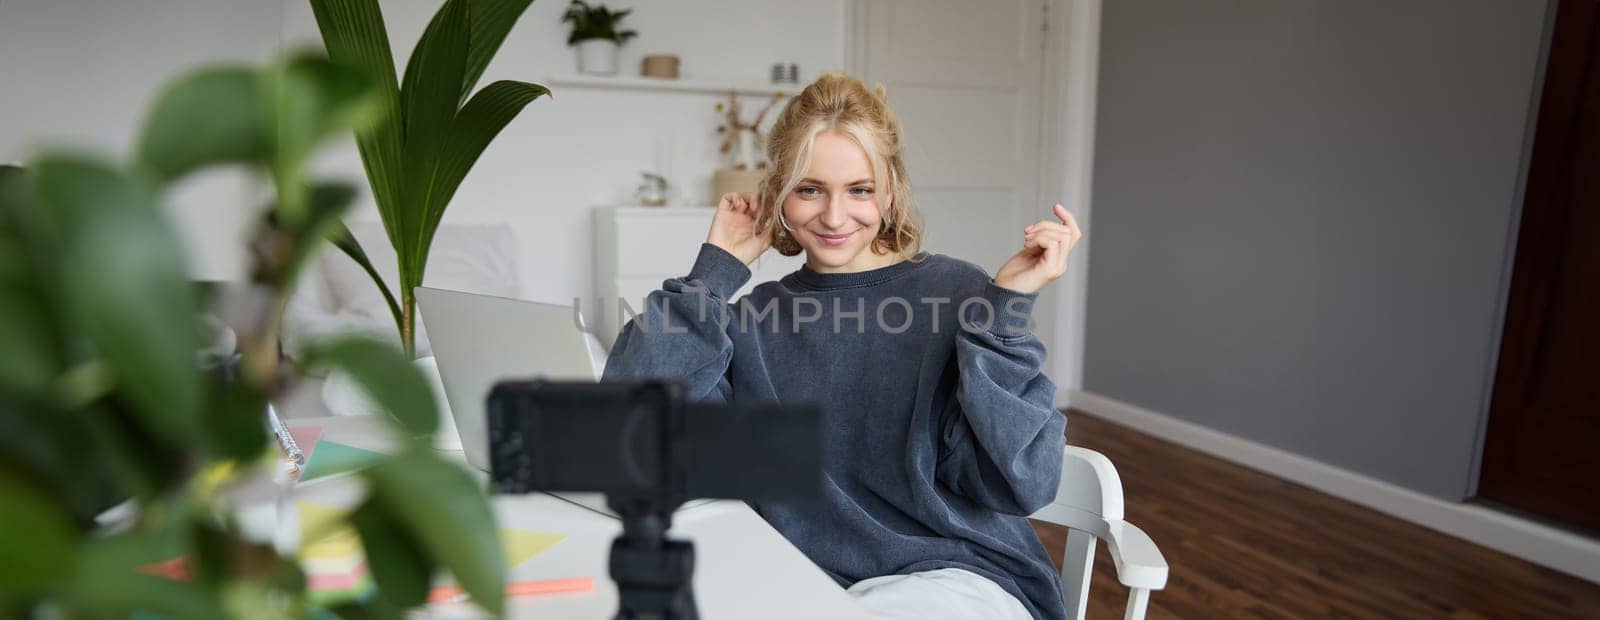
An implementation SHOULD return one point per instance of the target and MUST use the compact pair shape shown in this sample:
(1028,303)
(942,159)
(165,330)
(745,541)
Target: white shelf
(696,210)
(714,87)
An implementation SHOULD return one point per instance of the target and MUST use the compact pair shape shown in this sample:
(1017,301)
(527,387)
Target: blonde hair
(839,103)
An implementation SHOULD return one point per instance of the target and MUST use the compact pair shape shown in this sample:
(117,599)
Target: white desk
(743,567)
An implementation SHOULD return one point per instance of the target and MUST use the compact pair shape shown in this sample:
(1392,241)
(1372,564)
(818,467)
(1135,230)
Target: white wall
(584,148)
(83,71)
(80,74)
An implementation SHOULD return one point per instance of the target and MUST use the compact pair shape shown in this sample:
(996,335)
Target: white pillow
(471,258)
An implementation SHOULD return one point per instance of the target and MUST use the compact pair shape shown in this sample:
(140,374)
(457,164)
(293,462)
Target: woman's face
(833,212)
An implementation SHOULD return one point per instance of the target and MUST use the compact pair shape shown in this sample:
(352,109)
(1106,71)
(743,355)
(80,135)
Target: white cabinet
(636,248)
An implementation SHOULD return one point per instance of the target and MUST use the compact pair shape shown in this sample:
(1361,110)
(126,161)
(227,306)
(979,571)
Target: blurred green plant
(434,128)
(102,400)
(595,22)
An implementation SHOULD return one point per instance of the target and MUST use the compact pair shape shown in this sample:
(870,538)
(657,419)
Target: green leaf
(275,116)
(355,35)
(235,419)
(13,188)
(38,538)
(491,22)
(346,242)
(312,98)
(429,96)
(210,559)
(474,128)
(209,116)
(400,566)
(108,581)
(57,450)
(414,159)
(33,357)
(126,288)
(15,202)
(386,376)
(445,509)
(365,609)
(328,202)
(141,463)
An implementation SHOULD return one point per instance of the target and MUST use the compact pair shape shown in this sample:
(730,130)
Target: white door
(965,79)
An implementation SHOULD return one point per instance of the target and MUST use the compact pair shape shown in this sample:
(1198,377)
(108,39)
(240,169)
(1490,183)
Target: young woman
(941,433)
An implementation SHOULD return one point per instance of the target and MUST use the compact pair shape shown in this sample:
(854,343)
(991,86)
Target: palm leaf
(435,130)
(491,22)
(474,128)
(346,242)
(429,95)
(354,34)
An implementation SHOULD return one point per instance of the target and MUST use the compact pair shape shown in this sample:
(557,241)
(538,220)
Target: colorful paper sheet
(336,568)
(332,457)
(306,438)
(521,545)
(330,554)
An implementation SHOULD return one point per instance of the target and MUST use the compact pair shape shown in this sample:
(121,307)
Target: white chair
(1089,504)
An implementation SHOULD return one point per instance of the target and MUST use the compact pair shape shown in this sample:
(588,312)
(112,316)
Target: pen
(454,594)
(285,440)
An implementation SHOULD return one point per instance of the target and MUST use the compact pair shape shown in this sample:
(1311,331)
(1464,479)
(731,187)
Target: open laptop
(480,340)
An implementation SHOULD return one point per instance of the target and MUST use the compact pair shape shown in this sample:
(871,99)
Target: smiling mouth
(833,240)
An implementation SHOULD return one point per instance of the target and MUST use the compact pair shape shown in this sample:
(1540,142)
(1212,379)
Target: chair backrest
(1090,493)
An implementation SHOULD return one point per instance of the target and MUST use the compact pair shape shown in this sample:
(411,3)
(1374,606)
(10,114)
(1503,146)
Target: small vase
(597,57)
(738,181)
(747,148)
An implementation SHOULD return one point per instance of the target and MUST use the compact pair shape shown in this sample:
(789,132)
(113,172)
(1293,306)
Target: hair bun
(839,102)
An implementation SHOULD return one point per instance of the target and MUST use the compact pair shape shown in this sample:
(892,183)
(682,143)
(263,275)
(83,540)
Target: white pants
(943,593)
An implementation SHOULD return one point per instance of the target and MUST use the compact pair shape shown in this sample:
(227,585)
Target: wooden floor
(1246,545)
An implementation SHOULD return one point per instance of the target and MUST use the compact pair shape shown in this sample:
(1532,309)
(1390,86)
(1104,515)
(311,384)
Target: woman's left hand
(1044,254)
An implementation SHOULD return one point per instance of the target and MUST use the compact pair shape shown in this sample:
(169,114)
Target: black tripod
(652,572)
(634,441)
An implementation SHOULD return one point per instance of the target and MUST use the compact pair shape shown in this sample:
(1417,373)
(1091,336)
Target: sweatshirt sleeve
(681,332)
(1002,440)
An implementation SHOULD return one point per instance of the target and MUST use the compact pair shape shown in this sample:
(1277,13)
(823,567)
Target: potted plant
(103,401)
(436,126)
(595,34)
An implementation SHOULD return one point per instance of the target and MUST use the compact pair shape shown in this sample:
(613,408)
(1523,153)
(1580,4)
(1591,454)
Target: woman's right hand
(733,228)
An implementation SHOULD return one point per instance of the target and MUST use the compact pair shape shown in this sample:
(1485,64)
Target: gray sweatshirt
(941,433)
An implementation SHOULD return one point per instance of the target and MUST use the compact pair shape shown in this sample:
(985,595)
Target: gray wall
(1302,216)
